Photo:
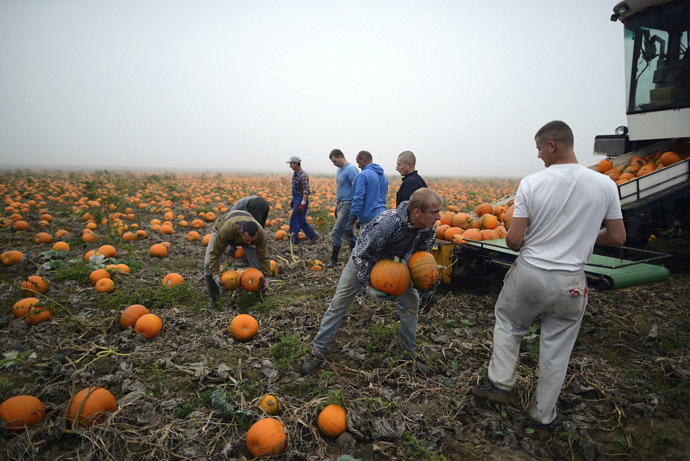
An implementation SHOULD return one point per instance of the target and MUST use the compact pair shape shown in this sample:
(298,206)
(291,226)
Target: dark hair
(250,227)
(336,153)
(557,131)
(364,155)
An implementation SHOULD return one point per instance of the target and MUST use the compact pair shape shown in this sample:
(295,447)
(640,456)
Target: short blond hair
(423,199)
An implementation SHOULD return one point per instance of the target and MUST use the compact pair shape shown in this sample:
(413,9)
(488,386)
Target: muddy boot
(334,257)
(213,291)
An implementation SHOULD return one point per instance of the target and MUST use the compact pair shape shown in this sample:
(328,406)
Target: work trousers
(348,287)
(560,297)
(343,225)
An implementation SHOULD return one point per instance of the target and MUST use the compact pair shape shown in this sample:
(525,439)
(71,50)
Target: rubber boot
(213,291)
(334,257)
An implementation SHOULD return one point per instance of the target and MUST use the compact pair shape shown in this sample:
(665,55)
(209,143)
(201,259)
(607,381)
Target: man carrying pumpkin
(394,233)
(557,221)
(235,228)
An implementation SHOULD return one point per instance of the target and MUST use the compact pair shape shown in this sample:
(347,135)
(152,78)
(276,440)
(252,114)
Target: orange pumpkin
(669,158)
(450,232)
(11,257)
(172,279)
(149,325)
(88,406)
(231,280)
(244,327)
(97,275)
(61,246)
(423,271)
(484,208)
(105,285)
(20,225)
(107,251)
(252,279)
(130,315)
(332,420)
(239,253)
(472,234)
(34,284)
(488,221)
(266,437)
(604,165)
(42,238)
(192,236)
(391,277)
(158,250)
(280,235)
(316,265)
(269,404)
(21,411)
(206,239)
(129,236)
(508,218)
(21,308)
(462,220)
(275,268)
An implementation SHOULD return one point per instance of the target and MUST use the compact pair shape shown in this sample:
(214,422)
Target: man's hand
(378,295)
(219,282)
(267,281)
(300,208)
(351,220)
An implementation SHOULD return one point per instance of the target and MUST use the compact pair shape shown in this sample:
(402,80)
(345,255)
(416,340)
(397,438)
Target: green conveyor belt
(620,272)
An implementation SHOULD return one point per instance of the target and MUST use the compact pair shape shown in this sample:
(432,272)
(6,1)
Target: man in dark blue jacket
(371,189)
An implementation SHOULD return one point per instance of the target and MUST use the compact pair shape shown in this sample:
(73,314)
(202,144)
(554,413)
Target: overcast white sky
(232,85)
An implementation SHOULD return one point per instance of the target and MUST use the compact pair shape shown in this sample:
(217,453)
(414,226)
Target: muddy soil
(191,392)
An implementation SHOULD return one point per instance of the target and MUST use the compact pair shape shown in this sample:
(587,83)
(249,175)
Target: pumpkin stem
(396,259)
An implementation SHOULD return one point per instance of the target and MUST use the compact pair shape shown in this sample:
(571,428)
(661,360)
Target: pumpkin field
(111,351)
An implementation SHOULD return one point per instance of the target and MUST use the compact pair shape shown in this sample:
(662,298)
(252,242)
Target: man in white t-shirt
(557,220)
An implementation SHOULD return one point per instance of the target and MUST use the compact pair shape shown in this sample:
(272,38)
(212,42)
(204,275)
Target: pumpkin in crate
(266,437)
(391,277)
(21,411)
(332,420)
(423,271)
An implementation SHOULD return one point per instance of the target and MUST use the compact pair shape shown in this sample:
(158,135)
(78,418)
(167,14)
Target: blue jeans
(343,225)
(348,287)
(298,221)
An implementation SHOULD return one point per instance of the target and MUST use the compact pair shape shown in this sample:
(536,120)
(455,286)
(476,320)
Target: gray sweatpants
(560,298)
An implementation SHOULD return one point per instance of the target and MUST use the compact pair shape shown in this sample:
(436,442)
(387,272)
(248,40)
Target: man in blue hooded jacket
(370,190)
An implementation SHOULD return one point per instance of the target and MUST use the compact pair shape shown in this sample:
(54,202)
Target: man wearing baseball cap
(300,202)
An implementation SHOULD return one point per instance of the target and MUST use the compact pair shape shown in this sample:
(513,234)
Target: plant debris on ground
(192,391)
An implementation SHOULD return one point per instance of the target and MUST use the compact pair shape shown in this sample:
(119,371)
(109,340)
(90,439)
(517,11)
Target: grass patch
(288,351)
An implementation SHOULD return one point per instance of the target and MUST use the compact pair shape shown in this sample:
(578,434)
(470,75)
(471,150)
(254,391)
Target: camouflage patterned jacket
(388,235)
